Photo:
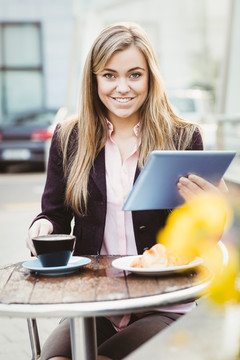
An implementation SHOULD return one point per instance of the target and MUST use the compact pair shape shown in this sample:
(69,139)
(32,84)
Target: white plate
(74,263)
(124,263)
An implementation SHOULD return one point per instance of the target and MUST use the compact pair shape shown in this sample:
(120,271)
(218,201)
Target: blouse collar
(110,128)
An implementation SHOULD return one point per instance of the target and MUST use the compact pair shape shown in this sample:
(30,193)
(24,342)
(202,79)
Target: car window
(40,119)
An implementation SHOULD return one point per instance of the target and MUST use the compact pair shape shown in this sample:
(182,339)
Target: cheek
(143,89)
(143,86)
(104,89)
(99,88)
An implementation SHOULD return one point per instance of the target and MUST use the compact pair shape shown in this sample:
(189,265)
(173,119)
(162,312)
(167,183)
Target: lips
(123,100)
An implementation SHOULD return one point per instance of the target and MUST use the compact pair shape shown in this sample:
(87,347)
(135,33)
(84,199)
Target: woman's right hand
(39,227)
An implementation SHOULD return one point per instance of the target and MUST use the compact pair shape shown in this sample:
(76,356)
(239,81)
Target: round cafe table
(96,289)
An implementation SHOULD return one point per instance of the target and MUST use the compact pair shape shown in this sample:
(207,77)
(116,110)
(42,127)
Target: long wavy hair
(160,127)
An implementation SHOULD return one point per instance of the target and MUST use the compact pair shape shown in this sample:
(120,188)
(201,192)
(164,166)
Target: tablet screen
(156,185)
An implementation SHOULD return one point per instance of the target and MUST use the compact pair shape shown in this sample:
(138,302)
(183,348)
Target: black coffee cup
(54,249)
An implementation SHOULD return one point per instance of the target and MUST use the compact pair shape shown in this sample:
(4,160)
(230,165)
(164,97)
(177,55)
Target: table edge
(102,308)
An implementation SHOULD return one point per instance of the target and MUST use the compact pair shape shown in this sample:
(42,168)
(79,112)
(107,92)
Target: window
(21,70)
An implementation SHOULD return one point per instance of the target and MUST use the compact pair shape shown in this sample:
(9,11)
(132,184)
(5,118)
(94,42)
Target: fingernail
(183,180)
(191,177)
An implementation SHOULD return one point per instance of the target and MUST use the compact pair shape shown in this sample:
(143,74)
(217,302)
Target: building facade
(43,45)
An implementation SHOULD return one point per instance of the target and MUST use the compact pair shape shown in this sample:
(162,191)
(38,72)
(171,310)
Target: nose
(122,86)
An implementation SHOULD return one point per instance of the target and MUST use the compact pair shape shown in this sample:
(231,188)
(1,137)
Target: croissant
(159,256)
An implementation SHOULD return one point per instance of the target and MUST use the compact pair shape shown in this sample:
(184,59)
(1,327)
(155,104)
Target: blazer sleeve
(53,206)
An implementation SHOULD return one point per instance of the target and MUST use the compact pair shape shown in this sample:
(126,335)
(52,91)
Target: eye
(135,75)
(108,76)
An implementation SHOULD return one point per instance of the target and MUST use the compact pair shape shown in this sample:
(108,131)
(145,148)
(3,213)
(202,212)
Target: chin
(123,115)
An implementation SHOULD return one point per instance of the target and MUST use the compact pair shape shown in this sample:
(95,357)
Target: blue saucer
(73,265)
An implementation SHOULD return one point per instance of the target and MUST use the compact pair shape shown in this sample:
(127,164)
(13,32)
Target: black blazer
(89,230)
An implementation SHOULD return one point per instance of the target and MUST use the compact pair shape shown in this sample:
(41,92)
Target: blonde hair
(160,127)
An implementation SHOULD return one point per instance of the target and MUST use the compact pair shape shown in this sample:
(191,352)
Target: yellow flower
(223,288)
(194,230)
(191,227)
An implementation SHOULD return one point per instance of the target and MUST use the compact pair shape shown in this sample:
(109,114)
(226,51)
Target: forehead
(128,58)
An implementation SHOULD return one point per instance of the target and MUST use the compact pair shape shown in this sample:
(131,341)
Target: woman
(94,160)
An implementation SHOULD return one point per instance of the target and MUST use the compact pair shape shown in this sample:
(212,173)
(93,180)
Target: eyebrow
(132,69)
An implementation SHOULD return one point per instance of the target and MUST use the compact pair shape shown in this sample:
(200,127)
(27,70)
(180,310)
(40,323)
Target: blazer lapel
(137,172)
(97,173)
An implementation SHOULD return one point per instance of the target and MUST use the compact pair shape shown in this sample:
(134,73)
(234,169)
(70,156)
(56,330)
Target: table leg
(34,338)
(83,338)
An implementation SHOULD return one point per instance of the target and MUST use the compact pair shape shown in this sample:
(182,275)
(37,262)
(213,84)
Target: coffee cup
(54,249)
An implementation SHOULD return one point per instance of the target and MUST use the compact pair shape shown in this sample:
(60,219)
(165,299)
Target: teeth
(123,100)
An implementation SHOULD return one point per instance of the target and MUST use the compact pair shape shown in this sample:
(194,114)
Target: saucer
(73,265)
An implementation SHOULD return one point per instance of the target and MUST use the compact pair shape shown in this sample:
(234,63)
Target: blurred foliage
(195,228)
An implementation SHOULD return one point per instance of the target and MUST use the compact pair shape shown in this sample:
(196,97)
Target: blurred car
(25,137)
(192,104)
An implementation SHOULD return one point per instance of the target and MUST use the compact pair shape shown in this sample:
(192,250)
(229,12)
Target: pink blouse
(119,236)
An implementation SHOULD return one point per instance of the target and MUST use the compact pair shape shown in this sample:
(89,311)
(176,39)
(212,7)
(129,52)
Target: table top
(94,290)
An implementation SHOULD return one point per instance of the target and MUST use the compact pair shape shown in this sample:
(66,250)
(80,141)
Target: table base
(83,338)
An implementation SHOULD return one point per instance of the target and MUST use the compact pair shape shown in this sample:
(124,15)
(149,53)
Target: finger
(33,232)
(208,186)
(45,228)
(190,185)
(184,193)
(30,246)
(187,192)
(201,182)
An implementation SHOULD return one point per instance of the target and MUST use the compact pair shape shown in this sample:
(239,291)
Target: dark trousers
(115,345)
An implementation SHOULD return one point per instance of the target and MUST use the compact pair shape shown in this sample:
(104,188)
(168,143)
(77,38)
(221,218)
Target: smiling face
(123,84)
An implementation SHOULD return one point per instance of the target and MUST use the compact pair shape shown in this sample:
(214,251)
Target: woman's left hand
(194,185)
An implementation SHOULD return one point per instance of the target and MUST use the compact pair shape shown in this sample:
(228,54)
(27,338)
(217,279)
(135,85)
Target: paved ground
(14,339)
(19,203)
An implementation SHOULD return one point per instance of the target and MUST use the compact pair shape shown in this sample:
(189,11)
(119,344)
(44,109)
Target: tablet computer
(156,185)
